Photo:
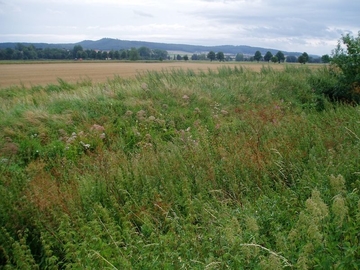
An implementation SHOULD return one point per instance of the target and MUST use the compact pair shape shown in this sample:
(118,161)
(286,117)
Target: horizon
(142,41)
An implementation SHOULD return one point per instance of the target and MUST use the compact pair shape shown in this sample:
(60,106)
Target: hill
(117,44)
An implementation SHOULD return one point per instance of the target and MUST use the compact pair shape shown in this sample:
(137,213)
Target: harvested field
(30,74)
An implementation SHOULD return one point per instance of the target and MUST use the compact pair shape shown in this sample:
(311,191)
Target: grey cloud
(143,14)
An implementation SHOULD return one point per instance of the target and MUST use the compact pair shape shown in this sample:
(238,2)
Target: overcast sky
(313,26)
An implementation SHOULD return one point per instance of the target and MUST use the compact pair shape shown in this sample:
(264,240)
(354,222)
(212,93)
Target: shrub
(344,84)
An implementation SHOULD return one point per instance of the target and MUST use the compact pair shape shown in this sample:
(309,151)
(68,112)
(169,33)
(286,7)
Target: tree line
(22,52)
(280,57)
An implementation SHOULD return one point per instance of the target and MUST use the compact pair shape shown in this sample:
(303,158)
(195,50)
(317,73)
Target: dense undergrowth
(180,170)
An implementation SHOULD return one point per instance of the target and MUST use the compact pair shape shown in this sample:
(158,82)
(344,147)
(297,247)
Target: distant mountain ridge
(106,44)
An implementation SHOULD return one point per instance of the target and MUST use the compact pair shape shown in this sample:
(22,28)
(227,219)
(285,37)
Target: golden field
(36,73)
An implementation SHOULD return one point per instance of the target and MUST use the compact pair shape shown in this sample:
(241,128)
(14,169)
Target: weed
(180,169)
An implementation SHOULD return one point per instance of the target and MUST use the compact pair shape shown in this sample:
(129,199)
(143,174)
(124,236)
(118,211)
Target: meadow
(224,168)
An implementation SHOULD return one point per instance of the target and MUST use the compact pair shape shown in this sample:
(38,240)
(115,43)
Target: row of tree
(280,57)
(22,52)
(277,58)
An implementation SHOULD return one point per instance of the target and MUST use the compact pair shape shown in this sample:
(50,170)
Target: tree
(257,56)
(77,51)
(117,55)
(144,52)
(239,57)
(291,59)
(104,55)
(134,54)
(268,56)
(9,53)
(302,59)
(111,54)
(280,56)
(194,57)
(211,55)
(306,57)
(274,59)
(186,58)
(178,57)
(30,53)
(325,58)
(220,56)
(159,54)
(91,54)
(124,54)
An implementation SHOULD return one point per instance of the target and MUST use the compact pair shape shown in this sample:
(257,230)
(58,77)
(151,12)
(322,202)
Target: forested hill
(117,44)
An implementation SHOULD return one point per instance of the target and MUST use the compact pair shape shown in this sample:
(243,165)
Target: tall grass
(230,169)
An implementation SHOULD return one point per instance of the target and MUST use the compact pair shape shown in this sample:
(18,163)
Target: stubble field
(30,74)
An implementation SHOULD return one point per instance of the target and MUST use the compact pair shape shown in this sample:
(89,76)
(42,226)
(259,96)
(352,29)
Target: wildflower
(223,112)
(4,160)
(72,138)
(337,184)
(197,123)
(151,118)
(251,224)
(160,122)
(197,110)
(316,207)
(339,209)
(97,127)
(141,115)
(128,113)
(185,97)
(85,145)
(144,86)
(147,137)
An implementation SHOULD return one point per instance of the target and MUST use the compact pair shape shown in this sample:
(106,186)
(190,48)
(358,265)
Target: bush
(343,82)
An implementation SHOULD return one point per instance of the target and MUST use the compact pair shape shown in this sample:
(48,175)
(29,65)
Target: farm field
(47,73)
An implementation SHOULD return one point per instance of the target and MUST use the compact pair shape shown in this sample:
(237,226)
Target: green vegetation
(231,169)
(257,56)
(304,58)
(343,82)
(22,52)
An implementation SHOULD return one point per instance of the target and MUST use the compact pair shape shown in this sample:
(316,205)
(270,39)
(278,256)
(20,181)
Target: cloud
(281,24)
(143,14)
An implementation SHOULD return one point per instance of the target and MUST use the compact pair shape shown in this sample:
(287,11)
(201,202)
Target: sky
(312,26)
